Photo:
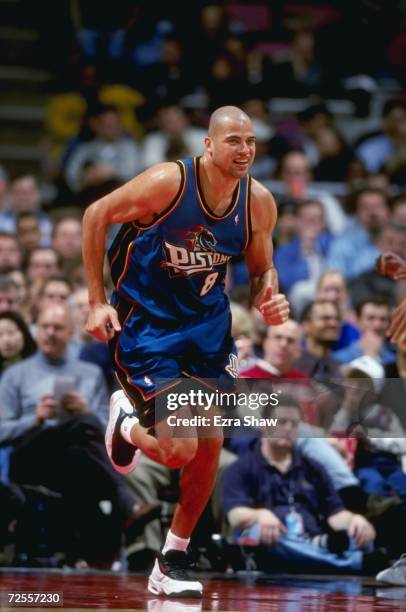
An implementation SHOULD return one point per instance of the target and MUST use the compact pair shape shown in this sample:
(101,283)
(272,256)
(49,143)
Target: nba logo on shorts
(232,367)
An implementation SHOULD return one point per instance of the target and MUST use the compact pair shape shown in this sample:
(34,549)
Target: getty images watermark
(345,408)
(213,408)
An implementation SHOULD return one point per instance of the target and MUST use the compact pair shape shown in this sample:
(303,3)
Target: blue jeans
(299,553)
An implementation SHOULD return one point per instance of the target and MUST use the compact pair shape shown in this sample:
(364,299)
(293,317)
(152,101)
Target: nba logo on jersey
(148,381)
(236,219)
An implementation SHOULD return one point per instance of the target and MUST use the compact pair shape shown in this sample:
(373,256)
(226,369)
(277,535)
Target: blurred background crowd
(91,96)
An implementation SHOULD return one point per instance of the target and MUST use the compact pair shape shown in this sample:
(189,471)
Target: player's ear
(208,143)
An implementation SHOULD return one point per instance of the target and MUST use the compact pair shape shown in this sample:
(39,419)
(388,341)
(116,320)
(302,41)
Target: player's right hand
(102,322)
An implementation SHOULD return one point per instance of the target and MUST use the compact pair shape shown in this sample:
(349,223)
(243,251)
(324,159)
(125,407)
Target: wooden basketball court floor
(252,592)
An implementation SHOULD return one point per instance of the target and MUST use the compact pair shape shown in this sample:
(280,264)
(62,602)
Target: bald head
(230,143)
(224,116)
(54,330)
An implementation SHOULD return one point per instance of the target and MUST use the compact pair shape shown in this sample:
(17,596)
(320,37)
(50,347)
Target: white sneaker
(169,576)
(123,456)
(396,574)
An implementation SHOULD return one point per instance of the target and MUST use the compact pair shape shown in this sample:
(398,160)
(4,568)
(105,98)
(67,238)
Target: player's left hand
(274,308)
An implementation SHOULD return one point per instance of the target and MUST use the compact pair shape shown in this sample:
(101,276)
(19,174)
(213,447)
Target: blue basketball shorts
(151,356)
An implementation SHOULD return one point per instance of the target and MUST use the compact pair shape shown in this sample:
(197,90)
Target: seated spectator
(10,296)
(42,263)
(19,280)
(227,82)
(364,379)
(16,342)
(296,175)
(321,326)
(172,126)
(28,232)
(376,150)
(380,439)
(335,156)
(25,197)
(355,252)
(297,72)
(52,290)
(110,156)
(332,287)
(264,495)
(67,239)
(373,323)
(58,441)
(367,285)
(315,117)
(301,260)
(281,348)
(169,79)
(10,253)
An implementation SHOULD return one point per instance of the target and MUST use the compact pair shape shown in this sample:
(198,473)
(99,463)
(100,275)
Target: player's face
(232,148)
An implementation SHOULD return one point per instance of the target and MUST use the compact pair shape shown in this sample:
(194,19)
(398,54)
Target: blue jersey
(174,267)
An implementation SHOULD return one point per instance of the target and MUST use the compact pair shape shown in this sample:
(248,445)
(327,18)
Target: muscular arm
(258,256)
(140,199)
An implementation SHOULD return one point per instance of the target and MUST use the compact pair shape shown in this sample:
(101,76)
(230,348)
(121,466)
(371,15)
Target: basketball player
(390,264)
(169,317)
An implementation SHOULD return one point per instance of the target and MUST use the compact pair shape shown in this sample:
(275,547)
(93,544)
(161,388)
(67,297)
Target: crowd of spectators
(140,91)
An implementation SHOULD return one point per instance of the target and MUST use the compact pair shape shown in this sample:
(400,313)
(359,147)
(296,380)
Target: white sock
(174,542)
(126,427)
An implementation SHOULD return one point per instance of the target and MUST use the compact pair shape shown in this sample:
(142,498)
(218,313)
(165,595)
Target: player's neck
(218,189)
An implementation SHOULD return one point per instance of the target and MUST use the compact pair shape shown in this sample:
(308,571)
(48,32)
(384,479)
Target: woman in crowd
(16,342)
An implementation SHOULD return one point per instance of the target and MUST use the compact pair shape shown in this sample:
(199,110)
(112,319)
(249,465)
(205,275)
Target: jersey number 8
(209,282)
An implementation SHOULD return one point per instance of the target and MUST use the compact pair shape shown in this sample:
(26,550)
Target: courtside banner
(248,407)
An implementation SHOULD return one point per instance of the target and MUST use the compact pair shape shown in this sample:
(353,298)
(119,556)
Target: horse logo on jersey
(199,257)
(204,240)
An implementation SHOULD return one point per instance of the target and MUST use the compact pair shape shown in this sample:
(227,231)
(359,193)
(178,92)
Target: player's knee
(179,453)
